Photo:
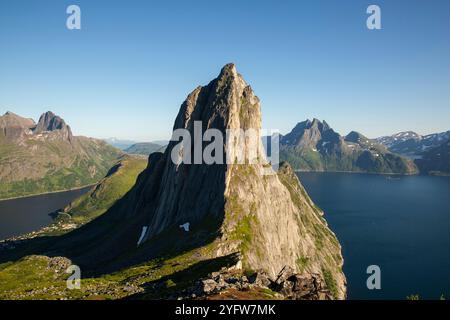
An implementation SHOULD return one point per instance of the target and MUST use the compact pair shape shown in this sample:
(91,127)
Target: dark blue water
(401,225)
(23,215)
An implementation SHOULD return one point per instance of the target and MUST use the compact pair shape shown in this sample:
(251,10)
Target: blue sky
(126,72)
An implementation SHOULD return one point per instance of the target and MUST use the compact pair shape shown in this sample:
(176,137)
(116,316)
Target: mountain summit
(51,122)
(315,146)
(219,210)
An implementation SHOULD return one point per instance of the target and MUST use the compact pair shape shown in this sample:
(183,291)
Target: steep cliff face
(243,208)
(49,122)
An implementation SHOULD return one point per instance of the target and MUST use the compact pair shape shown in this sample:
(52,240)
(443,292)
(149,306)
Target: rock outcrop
(287,285)
(231,207)
(49,122)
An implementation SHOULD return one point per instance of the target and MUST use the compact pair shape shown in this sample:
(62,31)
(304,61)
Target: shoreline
(50,192)
(445,175)
(361,172)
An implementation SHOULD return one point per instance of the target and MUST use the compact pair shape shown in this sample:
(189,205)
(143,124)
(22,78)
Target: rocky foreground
(232,284)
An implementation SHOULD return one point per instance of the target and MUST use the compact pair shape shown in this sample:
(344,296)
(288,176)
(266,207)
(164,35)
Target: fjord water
(23,215)
(401,224)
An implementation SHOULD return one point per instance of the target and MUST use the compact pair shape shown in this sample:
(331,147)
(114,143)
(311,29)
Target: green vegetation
(361,157)
(41,167)
(330,282)
(113,187)
(240,217)
(34,277)
(302,263)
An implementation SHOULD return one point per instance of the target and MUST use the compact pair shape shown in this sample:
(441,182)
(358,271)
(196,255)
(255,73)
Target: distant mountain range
(145,148)
(119,143)
(46,157)
(134,147)
(431,153)
(413,145)
(315,146)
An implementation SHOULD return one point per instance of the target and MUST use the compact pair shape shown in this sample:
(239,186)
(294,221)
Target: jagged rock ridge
(51,122)
(231,208)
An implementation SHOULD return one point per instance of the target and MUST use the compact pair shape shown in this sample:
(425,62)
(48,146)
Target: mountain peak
(229,68)
(306,133)
(316,121)
(48,121)
(231,207)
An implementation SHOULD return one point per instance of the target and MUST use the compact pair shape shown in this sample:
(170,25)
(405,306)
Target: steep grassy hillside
(119,180)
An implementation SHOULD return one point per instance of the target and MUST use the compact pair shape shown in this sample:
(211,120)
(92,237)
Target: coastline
(362,172)
(50,192)
(431,174)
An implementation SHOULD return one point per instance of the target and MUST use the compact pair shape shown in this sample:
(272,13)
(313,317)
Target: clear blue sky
(126,72)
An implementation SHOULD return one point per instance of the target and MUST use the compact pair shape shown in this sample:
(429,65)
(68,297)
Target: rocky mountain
(49,122)
(45,156)
(315,146)
(429,152)
(181,225)
(145,148)
(413,145)
(397,138)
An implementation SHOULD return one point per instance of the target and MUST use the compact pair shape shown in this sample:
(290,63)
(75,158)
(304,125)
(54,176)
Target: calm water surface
(19,216)
(400,224)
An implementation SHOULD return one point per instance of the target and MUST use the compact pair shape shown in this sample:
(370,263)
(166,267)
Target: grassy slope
(55,166)
(32,276)
(114,186)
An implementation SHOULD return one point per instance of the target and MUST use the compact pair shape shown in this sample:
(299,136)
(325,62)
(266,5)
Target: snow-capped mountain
(413,145)
(397,138)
